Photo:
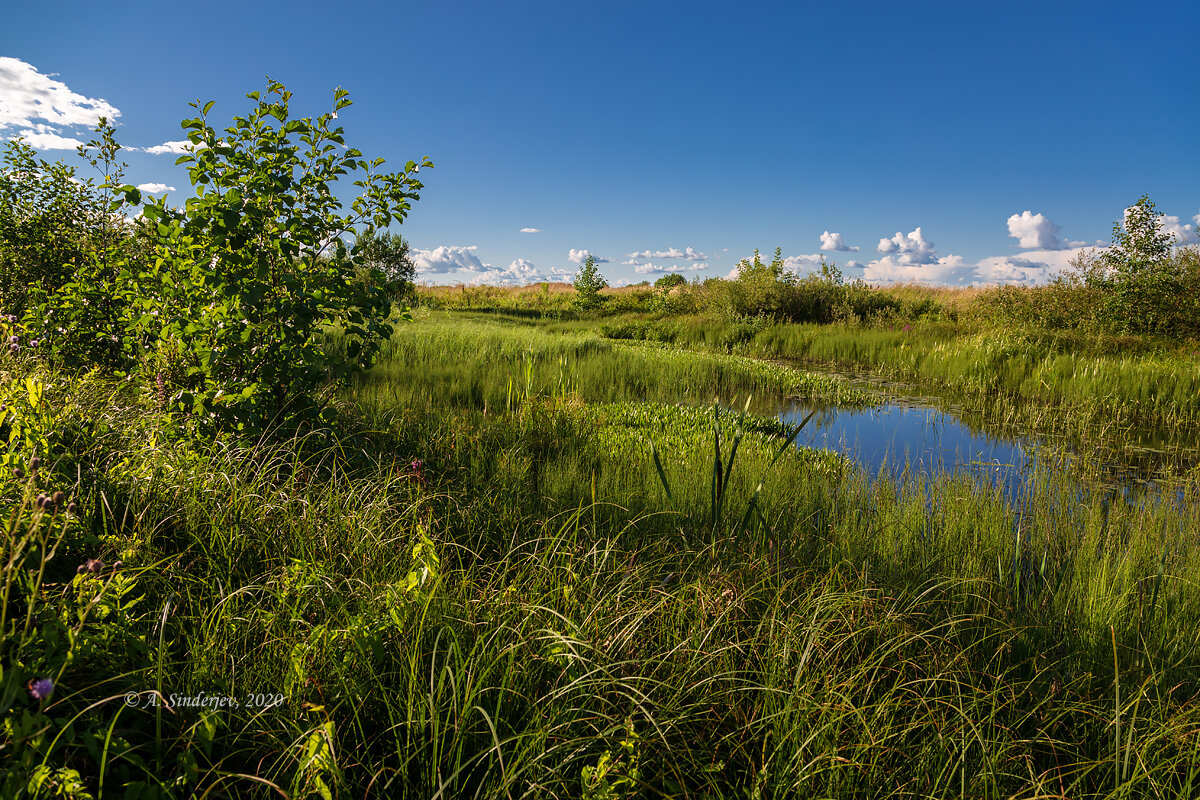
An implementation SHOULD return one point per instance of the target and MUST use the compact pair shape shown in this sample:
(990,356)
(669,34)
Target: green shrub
(51,224)
(231,303)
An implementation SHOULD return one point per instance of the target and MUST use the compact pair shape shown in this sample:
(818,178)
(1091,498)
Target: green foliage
(1143,287)
(588,283)
(384,261)
(48,224)
(1139,243)
(253,269)
(227,301)
(670,281)
(89,318)
(513,604)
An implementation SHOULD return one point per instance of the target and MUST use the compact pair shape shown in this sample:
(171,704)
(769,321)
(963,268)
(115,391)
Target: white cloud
(531,230)
(1031,267)
(1170,224)
(802,263)
(910,249)
(453,264)
(655,269)
(1034,231)
(155,188)
(519,273)
(178,148)
(580,256)
(833,241)
(49,141)
(446,259)
(949,271)
(524,271)
(687,254)
(27,96)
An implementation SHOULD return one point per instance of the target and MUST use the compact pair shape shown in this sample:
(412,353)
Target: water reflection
(894,437)
(930,435)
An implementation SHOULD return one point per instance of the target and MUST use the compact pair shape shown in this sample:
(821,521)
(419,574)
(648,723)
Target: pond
(930,435)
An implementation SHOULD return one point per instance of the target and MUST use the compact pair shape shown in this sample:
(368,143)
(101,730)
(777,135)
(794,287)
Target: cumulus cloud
(49,140)
(1031,268)
(31,100)
(531,230)
(176,148)
(155,188)
(687,254)
(948,271)
(580,256)
(519,273)
(656,269)
(1034,232)
(454,264)
(446,259)
(1170,224)
(833,241)
(802,263)
(910,249)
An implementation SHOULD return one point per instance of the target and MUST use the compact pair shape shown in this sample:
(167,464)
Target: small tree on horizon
(389,253)
(588,284)
(1141,288)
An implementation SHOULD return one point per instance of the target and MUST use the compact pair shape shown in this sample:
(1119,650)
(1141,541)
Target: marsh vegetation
(519,546)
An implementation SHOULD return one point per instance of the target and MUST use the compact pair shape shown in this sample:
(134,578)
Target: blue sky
(948,142)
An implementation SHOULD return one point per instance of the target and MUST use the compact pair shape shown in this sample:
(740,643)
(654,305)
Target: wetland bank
(545,548)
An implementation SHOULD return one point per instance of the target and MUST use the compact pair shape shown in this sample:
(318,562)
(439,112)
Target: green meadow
(295,529)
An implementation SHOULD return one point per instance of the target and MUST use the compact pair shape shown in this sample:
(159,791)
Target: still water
(925,440)
(929,435)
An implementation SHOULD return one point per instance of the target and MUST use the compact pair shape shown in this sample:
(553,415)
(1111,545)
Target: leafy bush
(51,224)
(228,306)
(386,254)
(1143,286)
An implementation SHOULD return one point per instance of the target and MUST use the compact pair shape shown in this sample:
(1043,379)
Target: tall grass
(452,362)
(1150,388)
(508,604)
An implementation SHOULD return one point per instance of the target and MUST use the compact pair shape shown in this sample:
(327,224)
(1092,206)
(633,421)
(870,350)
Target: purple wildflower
(41,688)
(92,565)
